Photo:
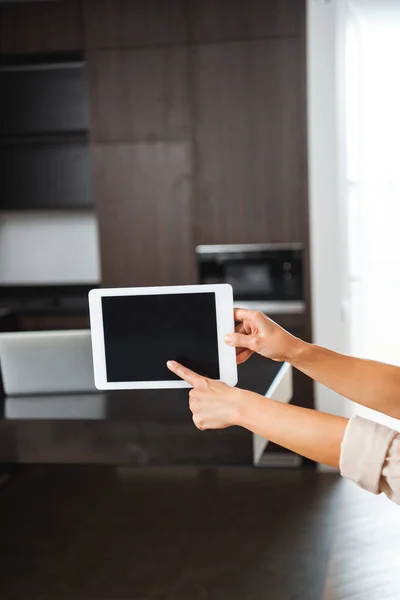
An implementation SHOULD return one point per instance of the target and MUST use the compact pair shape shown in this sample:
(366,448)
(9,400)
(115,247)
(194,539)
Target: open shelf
(44,131)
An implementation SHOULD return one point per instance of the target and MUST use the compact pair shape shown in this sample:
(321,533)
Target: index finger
(184,373)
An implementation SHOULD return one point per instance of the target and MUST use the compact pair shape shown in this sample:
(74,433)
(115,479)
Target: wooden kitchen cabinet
(41,27)
(139,95)
(143,194)
(231,20)
(248,139)
(130,23)
(225,83)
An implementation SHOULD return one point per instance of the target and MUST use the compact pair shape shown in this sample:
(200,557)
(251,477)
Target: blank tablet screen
(142,332)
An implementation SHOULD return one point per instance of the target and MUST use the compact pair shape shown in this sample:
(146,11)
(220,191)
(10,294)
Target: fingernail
(170,364)
(228,338)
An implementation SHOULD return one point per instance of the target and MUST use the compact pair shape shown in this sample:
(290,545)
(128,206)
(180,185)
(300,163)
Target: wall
(327,234)
(48,247)
(353,177)
(374,182)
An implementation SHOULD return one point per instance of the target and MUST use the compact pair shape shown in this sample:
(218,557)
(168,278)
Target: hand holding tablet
(135,331)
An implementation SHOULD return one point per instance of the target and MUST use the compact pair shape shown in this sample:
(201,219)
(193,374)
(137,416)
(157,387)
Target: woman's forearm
(373,384)
(366,382)
(312,434)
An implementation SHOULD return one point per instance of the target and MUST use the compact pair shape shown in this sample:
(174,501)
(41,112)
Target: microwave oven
(268,277)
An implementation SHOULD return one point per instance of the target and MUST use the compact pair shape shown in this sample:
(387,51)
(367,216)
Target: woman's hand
(257,333)
(215,405)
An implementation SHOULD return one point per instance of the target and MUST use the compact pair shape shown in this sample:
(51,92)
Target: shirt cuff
(364,448)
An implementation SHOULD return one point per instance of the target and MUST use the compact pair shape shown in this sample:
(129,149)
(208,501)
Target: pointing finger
(184,373)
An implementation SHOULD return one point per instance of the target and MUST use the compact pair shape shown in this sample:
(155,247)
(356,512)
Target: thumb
(240,340)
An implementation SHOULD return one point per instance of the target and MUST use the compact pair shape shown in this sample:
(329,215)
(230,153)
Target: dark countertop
(68,306)
(192,534)
(48,300)
(138,427)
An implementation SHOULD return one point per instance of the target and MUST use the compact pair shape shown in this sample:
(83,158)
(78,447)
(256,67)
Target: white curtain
(372,173)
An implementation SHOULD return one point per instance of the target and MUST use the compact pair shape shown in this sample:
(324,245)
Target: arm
(312,434)
(370,383)
(367,453)
(216,405)
(366,382)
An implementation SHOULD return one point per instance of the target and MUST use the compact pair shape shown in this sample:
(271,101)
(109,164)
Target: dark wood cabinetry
(225,80)
(39,27)
(228,20)
(143,196)
(129,23)
(247,141)
(139,95)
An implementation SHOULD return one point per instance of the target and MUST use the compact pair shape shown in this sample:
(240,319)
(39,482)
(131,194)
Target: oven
(267,277)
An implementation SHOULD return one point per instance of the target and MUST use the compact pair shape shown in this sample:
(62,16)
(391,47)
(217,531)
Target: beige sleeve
(370,457)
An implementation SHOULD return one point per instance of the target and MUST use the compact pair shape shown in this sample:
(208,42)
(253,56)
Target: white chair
(56,407)
(46,362)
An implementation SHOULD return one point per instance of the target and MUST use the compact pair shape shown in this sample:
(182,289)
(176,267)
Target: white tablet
(135,331)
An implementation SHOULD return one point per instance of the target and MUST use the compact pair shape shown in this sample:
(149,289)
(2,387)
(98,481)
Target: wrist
(247,406)
(297,350)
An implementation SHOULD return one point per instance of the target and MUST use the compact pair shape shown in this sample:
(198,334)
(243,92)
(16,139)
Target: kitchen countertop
(137,427)
(47,300)
(47,307)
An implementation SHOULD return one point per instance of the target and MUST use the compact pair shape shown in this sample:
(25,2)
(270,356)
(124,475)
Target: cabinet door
(247,122)
(143,192)
(139,95)
(232,20)
(39,27)
(129,23)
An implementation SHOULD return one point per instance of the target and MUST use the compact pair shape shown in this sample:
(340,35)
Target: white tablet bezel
(225,324)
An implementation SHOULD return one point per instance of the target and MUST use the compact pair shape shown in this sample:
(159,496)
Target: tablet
(135,331)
